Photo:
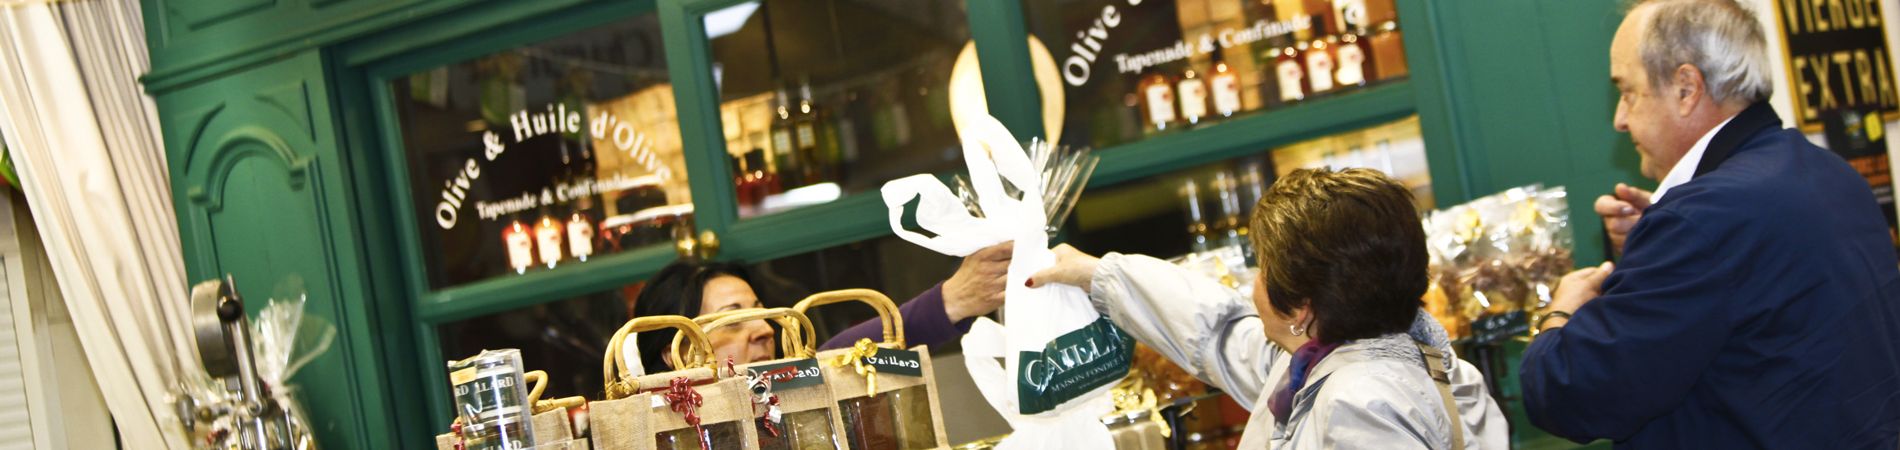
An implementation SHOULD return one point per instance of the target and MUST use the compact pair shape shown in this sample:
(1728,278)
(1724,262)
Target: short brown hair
(1347,243)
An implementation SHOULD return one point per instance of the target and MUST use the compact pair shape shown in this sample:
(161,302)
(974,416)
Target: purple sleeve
(925,323)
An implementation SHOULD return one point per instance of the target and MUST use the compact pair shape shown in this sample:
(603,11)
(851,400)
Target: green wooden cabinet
(288,172)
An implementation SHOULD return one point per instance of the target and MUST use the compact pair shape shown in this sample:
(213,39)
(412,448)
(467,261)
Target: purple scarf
(1304,358)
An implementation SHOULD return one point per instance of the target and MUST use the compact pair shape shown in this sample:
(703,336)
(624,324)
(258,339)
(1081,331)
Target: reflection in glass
(895,420)
(722,436)
(825,98)
(1207,208)
(542,155)
(1138,69)
(800,430)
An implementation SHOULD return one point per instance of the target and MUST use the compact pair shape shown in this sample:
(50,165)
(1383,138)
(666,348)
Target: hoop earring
(1295,330)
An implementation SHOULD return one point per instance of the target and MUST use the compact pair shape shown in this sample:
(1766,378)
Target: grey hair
(1721,38)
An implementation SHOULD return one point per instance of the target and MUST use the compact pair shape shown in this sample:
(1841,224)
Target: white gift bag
(1052,384)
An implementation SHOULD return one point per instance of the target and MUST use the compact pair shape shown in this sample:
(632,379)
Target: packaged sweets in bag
(694,407)
(1495,259)
(886,395)
(792,405)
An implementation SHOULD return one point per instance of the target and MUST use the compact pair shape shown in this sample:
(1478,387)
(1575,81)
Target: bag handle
(887,311)
(539,380)
(1435,365)
(798,338)
(615,359)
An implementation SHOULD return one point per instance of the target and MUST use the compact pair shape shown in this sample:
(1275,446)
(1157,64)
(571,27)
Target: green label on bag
(1494,328)
(896,362)
(804,373)
(1072,365)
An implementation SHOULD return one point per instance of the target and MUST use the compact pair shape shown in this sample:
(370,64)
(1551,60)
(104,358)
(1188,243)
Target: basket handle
(615,359)
(886,309)
(539,380)
(799,339)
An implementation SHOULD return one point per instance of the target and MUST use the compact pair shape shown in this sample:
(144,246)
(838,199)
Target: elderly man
(1755,303)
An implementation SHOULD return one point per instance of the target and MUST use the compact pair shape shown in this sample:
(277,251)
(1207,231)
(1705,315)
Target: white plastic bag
(1059,391)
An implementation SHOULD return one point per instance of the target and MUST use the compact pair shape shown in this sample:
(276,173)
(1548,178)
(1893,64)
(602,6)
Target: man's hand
(1620,212)
(1072,268)
(977,287)
(1576,289)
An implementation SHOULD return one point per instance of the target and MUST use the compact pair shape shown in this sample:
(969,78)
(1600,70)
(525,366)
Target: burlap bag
(880,410)
(808,416)
(638,414)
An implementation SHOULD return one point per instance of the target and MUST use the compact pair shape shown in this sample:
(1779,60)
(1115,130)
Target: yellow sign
(1837,58)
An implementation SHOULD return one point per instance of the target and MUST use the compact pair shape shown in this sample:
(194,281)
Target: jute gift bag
(886,395)
(552,427)
(793,406)
(691,408)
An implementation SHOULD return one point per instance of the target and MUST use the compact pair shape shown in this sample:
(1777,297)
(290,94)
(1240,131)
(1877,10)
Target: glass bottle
(520,245)
(1324,17)
(785,159)
(1157,101)
(1227,191)
(580,232)
(1352,61)
(1193,93)
(547,239)
(1225,86)
(1289,75)
(1319,65)
(742,190)
(1198,227)
(1388,52)
(817,142)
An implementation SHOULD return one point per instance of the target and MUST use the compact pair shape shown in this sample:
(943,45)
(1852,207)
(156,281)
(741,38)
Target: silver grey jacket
(1369,393)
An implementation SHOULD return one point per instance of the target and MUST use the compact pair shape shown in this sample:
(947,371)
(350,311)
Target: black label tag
(896,362)
(792,374)
(1494,328)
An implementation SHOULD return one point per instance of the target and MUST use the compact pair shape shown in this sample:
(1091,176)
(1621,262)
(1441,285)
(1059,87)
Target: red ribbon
(684,400)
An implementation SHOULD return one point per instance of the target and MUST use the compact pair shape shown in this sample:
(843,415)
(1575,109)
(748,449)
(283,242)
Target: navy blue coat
(1756,306)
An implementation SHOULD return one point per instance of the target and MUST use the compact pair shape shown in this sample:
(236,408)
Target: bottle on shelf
(785,159)
(1324,17)
(1157,102)
(742,184)
(1319,65)
(817,147)
(520,244)
(1192,90)
(1289,75)
(1225,86)
(580,231)
(1352,62)
(547,239)
(1388,52)
(1230,227)
(1199,235)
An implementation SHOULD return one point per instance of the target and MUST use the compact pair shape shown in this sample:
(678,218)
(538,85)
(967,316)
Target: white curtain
(85,139)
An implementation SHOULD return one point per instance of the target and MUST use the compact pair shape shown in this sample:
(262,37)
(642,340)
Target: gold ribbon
(1133,395)
(855,358)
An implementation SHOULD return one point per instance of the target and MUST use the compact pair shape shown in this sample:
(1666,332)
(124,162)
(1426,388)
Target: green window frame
(365,67)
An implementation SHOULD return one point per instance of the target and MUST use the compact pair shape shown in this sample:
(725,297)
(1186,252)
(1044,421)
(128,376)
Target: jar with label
(1319,65)
(491,398)
(1157,102)
(547,239)
(1289,75)
(580,234)
(520,244)
(1352,63)
(1193,92)
(1225,86)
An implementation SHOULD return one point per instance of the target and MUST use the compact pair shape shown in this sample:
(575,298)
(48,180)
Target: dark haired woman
(1334,349)
(691,288)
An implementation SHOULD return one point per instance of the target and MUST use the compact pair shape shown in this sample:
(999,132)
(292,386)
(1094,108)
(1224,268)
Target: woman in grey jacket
(1338,354)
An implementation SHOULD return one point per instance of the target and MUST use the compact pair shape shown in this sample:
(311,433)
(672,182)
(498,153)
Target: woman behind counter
(1343,356)
(691,288)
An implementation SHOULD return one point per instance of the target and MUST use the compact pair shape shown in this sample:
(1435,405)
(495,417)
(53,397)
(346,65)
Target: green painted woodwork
(287,165)
(263,192)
